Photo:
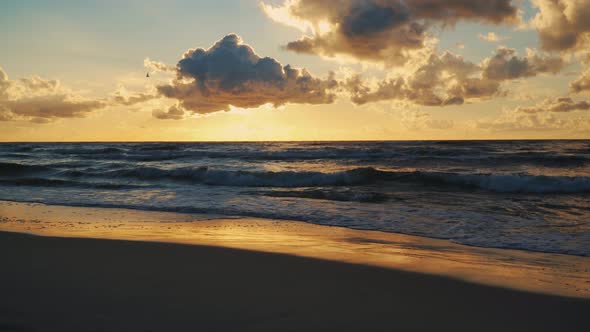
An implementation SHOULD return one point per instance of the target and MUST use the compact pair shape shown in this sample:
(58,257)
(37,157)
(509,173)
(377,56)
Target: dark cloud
(450,11)
(41,101)
(506,65)
(449,79)
(563,24)
(383,30)
(173,113)
(476,87)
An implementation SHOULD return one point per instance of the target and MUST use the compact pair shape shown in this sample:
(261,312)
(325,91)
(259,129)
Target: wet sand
(562,275)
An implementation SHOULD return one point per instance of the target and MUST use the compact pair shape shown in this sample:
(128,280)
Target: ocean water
(530,195)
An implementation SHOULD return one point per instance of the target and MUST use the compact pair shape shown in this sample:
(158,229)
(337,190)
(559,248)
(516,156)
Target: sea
(528,195)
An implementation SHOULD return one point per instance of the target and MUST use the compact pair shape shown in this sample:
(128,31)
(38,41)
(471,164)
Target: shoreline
(196,216)
(542,273)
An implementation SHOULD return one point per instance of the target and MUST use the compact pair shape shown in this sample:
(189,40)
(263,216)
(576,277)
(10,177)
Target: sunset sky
(239,70)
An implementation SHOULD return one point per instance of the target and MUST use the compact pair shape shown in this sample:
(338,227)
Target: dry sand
(66,284)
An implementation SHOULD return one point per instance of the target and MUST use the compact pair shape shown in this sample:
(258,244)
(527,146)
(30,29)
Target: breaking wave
(359,176)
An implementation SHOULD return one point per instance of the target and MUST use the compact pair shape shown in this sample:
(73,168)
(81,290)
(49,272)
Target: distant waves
(354,177)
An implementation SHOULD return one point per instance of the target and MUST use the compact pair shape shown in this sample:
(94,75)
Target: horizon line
(312,141)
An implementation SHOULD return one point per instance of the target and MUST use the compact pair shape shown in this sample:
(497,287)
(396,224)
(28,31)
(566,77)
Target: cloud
(230,73)
(5,84)
(519,121)
(433,83)
(449,79)
(551,114)
(133,99)
(422,120)
(156,66)
(175,112)
(491,37)
(382,31)
(41,101)
(563,24)
(558,105)
(506,65)
(515,120)
(582,83)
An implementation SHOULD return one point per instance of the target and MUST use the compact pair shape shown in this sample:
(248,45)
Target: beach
(241,277)
(295,165)
(59,284)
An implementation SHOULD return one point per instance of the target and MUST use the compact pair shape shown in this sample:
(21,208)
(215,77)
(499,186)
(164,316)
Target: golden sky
(240,70)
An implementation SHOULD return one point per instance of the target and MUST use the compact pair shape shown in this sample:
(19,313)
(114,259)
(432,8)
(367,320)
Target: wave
(42,182)
(509,183)
(480,154)
(545,158)
(17,155)
(16,147)
(86,151)
(160,147)
(502,183)
(403,156)
(13,169)
(208,176)
(331,195)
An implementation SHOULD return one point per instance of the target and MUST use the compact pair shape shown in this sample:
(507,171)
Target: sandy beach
(295,165)
(65,284)
(244,277)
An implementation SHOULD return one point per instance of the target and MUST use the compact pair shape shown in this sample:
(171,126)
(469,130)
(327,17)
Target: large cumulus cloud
(563,24)
(231,73)
(449,79)
(384,31)
(40,101)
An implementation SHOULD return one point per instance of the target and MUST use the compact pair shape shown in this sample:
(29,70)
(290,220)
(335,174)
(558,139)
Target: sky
(250,70)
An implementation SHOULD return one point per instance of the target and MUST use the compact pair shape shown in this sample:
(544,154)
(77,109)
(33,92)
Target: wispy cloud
(41,101)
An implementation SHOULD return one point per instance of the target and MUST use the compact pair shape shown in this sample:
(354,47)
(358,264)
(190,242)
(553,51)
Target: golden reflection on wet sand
(537,272)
